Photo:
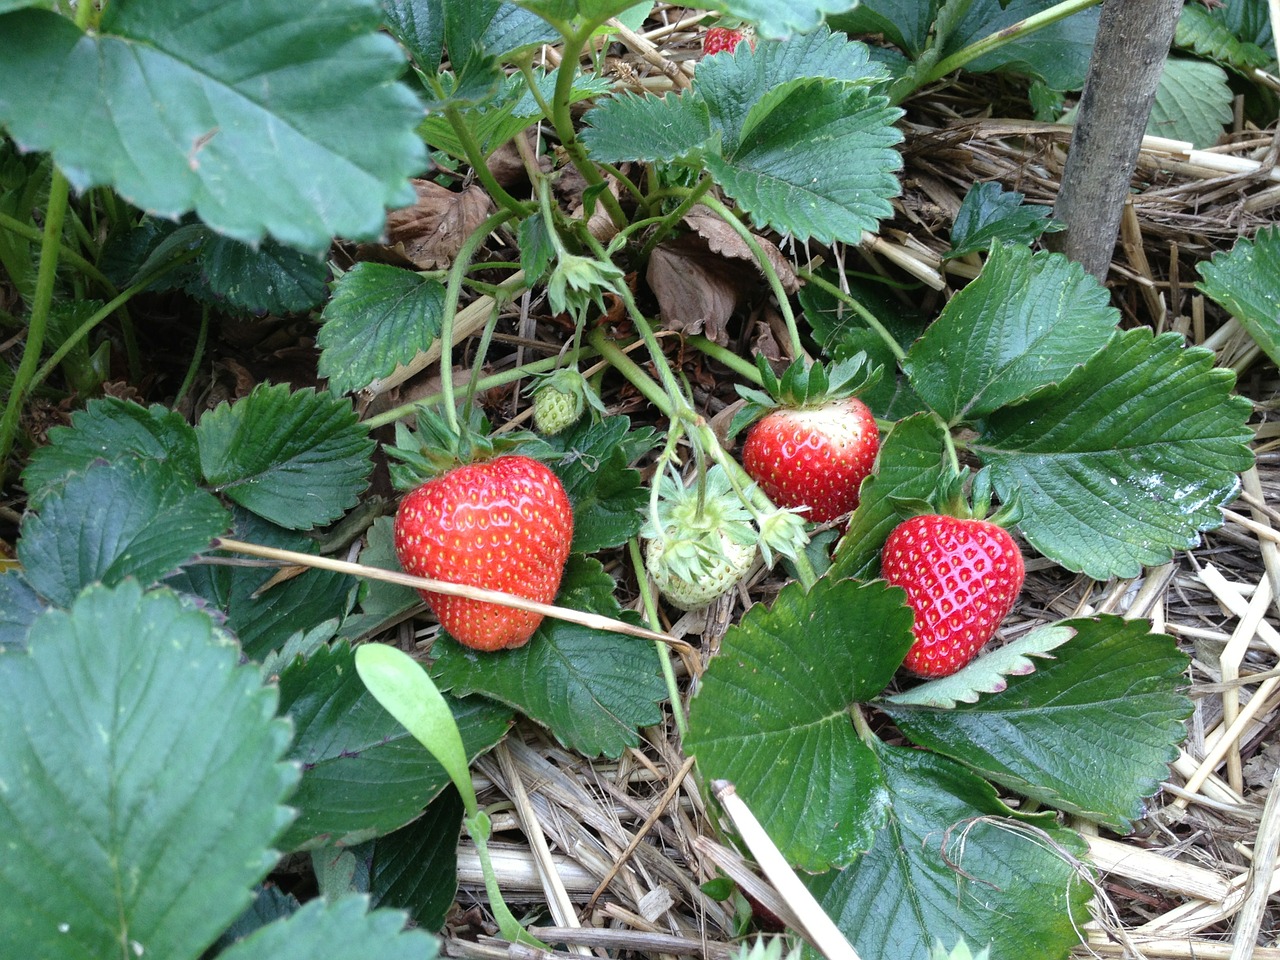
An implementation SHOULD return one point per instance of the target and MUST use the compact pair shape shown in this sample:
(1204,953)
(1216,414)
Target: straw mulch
(610,855)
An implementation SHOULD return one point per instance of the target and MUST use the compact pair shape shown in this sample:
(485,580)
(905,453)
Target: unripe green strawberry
(504,524)
(962,577)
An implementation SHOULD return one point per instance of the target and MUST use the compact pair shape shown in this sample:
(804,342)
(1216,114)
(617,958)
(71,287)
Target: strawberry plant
(171,697)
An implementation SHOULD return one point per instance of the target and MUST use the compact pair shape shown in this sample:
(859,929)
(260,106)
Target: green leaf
(300,459)
(364,774)
(264,618)
(1113,687)
(606,492)
(1057,54)
(911,463)
(380,316)
(591,688)
(380,602)
(1193,102)
(1025,322)
(1127,459)
(816,160)
(334,930)
(904,23)
(416,868)
(772,714)
(988,673)
(270,903)
(129,717)
(779,19)
(111,429)
(646,128)
(131,518)
(953,861)
(990,213)
(19,607)
(1207,35)
(1246,280)
(271,279)
(218,114)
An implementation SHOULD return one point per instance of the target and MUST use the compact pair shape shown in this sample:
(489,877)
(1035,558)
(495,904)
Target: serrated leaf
(111,429)
(606,492)
(19,607)
(988,673)
(379,316)
(298,458)
(1113,687)
(333,930)
(265,618)
(270,903)
(1246,280)
(989,213)
(772,714)
(1026,321)
(591,688)
(1127,459)
(904,23)
(129,717)
(221,119)
(131,518)
(952,862)
(817,161)
(779,19)
(1058,54)
(416,868)
(911,463)
(646,128)
(1207,35)
(1193,102)
(271,279)
(364,775)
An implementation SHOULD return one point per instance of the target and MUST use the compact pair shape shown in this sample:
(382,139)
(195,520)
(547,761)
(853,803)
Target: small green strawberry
(700,543)
(560,399)
(502,524)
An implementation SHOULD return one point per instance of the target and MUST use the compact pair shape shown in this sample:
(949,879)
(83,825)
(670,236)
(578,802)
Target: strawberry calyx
(950,499)
(803,385)
(435,447)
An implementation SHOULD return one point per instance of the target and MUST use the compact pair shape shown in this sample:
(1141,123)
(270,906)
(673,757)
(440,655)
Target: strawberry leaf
(265,618)
(779,19)
(591,688)
(271,278)
(1026,321)
(299,458)
(222,120)
(1207,35)
(989,213)
(111,429)
(646,128)
(130,717)
(327,929)
(1127,459)
(953,861)
(156,521)
(19,607)
(364,775)
(1112,689)
(1057,53)
(380,602)
(988,673)
(1246,280)
(911,464)
(772,714)
(380,316)
(416,868)
(1193,102)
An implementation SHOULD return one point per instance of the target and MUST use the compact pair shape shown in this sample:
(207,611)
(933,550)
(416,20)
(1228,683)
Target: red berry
(962,578)
(719,39)
(503,524)
(813,456)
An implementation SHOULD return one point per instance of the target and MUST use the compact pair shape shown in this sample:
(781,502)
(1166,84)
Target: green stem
(691,200)
(479,828)
(452,292)
(998,39)
(475,157)
(196,358)
(766,267)
(632,371)
(949,443)
(739,365)
(867,316)
(66,254)
(42,302)
(655,624)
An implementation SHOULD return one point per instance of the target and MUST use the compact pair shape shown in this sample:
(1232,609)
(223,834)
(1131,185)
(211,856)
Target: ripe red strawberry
(503,524)
(719,39)
(962,577)
(813,456)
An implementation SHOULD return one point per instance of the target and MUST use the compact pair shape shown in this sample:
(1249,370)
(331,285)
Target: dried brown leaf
(724,240)
(431,232)
(695,291)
